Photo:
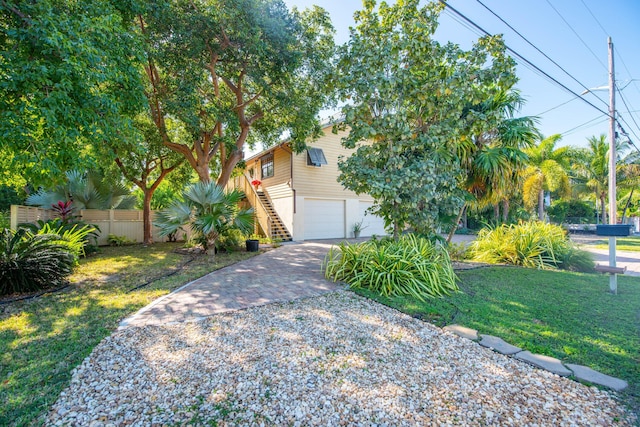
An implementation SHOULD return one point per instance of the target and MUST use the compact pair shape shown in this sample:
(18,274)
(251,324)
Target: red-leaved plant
(64,210)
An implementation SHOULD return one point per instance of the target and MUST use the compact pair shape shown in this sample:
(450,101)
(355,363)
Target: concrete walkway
(286,273)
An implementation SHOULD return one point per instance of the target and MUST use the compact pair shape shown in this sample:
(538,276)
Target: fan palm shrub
(410,265)
(88,190)
(530,244)
(208,211)
(30,262)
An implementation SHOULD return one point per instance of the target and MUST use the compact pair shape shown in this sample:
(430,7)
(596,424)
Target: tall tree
(235,72)
(493,160)
(146,162)
(547,171)
(629,179)
(591,169)
(68,75)
(409,100)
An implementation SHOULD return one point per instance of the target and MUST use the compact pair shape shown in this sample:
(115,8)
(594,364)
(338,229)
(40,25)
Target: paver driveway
(289,272)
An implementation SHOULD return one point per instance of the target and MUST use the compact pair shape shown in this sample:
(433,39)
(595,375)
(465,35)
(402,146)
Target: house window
(266,164)
(315,157)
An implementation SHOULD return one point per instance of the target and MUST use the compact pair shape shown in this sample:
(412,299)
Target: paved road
(631,260)
(628,259)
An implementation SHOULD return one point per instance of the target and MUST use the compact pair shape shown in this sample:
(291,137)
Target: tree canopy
(410,101)
(68,75)
(547,171)
(235,73)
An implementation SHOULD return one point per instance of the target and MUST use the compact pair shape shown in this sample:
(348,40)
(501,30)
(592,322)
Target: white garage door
(374,224)
(323,219)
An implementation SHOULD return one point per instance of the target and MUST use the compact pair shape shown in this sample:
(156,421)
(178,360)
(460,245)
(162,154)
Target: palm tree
(547,171)
(87,190)
(591,168)
(493,158)
(209,211)
(629,178)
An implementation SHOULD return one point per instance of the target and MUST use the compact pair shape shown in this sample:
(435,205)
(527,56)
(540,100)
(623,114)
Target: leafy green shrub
(266,240)
(9,196)
(458,251)
(5,219)
(230,240)
(530,244)
(30,262)
(119,240)
(572,211)
(76,235)
(411,265)
(577,260)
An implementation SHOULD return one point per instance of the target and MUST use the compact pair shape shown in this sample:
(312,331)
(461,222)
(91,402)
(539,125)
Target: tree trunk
(455,226)
(147,238)
(211,247)
(603,209)
(227,168)
(626,206)
(496,213)
(203,171)
(505,211)
(541,205)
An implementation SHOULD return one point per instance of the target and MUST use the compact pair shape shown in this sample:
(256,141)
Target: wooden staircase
(278,230)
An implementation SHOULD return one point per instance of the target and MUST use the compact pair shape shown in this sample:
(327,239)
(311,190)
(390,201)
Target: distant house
(299,197)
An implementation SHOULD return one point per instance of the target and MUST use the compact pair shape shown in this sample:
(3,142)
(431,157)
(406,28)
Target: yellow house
(298,196)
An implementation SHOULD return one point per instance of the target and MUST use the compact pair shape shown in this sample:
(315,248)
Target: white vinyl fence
(119,222)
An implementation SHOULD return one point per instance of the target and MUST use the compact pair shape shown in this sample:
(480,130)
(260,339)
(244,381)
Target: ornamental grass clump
(530,244)
(411,266)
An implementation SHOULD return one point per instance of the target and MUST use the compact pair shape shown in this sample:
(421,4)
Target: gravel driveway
(331,360)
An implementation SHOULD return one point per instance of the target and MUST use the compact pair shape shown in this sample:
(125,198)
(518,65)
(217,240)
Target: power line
(553,80)
(626,123)
(635,83)
(618,54)
(628,106)
(463,23)
(535,47)
(624,101)
(577,35)
(557,106)
(622,131)
(594,18)
(589,122)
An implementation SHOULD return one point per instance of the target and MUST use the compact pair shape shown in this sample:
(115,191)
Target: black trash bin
(253,245)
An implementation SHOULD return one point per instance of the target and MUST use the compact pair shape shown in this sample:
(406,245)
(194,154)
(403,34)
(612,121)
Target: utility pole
(613,278)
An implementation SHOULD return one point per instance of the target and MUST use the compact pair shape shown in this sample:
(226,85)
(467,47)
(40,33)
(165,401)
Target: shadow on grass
(43,339)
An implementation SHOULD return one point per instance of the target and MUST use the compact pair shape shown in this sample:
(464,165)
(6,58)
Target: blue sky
(579,45)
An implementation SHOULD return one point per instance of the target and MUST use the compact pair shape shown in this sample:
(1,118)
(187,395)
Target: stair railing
(263,219)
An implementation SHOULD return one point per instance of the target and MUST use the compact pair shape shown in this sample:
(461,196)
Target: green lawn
(570,316)
(622,244)
(43,339)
